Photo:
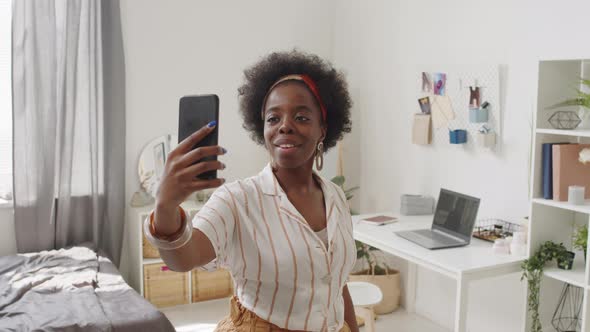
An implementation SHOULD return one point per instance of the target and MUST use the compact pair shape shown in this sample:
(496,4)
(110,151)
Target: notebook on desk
(452,225)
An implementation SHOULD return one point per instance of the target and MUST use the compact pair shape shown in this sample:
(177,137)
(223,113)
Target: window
(5,100)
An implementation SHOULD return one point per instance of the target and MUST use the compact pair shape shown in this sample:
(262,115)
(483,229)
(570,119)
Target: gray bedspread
(71,290)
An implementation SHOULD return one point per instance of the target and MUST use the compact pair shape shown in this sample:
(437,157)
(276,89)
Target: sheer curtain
(69,124)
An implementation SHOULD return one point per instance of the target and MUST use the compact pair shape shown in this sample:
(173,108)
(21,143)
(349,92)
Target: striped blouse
(281,269)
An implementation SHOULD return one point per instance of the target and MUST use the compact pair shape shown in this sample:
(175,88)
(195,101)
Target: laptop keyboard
(435,237)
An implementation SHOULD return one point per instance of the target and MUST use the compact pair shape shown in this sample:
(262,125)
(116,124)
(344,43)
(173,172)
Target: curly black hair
(331,84)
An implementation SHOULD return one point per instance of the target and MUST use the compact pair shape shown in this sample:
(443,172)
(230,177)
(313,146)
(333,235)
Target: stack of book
(561,169)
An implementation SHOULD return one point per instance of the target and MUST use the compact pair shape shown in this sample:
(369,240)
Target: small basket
(486,140)
(478,115)
(209,285)
(163,287)
(458,136)
(493,229)
(149,251)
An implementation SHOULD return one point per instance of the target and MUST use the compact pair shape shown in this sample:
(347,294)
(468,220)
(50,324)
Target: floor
(202,317)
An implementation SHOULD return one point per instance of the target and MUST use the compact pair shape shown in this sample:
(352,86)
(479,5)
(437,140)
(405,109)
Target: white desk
(463,264)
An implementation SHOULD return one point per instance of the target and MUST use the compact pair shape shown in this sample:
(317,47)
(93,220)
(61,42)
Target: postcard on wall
(439,83)
(442,111)
(424,105)
(426,82)
(474,97)
(421,129)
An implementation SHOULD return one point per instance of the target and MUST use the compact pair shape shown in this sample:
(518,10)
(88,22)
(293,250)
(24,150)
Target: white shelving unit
(549,219)
(136,259)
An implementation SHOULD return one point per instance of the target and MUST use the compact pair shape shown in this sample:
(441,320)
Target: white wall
(187,47)
(176,48)
(391,40)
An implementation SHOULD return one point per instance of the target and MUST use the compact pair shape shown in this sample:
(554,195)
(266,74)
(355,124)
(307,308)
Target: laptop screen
(455,213)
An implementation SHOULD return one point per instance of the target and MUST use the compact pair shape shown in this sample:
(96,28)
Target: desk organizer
(413,205)
(492,229)
(478,115)
(458,136)
(486,140)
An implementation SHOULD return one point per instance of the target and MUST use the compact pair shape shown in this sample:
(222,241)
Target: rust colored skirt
(241,319)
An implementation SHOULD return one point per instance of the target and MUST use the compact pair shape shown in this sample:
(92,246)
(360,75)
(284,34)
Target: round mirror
(152,161)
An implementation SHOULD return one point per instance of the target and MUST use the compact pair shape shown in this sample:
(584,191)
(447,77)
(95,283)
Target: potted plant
(339,180)
(377,272)
(533,272)
(580,240)
(582,99)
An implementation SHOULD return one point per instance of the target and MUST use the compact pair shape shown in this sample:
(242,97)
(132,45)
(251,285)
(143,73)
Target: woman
(285,234)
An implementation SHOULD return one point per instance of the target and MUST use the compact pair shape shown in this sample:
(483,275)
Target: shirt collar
(270,185)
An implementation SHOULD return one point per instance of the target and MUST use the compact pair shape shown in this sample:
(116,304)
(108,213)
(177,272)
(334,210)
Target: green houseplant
(339,180)
(580,240)
(363,251)
(378,273)
(533,273)
(582,99)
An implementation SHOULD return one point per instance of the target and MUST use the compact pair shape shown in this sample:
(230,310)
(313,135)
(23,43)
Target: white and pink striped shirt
(281,269)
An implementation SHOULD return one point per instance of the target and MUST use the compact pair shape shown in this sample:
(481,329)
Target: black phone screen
(196,112)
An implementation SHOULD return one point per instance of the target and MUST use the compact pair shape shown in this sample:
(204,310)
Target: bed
(72,289)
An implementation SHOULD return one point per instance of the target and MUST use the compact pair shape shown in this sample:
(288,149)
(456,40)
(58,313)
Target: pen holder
(458,136)
(478,115)
(486,140)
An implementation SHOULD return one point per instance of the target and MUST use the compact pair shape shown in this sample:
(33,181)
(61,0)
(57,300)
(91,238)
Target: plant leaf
(338,180)
(569,102)
(349,190)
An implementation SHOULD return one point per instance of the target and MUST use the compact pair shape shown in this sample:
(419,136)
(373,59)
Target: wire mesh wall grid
(459,78)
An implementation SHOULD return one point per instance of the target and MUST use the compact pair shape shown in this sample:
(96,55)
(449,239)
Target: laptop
(453,222)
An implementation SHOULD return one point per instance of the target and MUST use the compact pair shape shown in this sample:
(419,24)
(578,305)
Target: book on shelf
(568,170)
(547,169)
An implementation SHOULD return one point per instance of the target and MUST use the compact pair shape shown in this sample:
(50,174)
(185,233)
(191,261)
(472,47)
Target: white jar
(500,247)
(519,237)
(576,195)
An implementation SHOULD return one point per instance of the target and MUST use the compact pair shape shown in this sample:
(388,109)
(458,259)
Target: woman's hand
(179,178)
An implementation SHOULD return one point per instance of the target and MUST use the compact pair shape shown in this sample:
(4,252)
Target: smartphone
(196,112)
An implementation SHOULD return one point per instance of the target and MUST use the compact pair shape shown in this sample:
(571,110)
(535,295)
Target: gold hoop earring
(319,156)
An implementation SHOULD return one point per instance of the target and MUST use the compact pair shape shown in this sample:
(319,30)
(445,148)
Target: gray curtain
(69,124)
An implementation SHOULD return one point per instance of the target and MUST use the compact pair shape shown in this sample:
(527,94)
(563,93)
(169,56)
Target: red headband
(310,85)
